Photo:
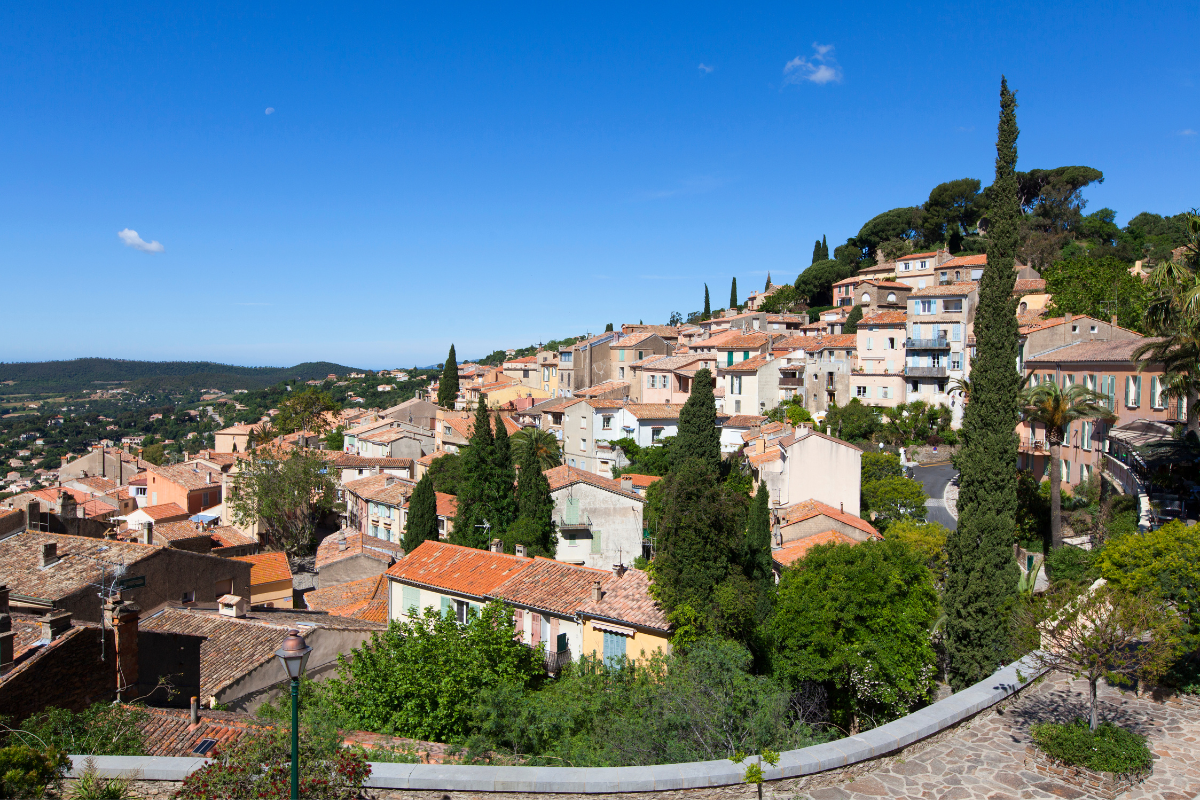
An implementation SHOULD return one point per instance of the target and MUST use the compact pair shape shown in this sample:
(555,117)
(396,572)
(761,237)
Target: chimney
(497,546)
(619,570)
(627,483)
(230,605)
(389,480)
(1067,317)
(148,533)
(122,617)
(596,593)
(1114,319)
(341,540)
(49,554)
(520,550)
(55,624)
(195,714)
(3,598)
(208,477)
(842,507)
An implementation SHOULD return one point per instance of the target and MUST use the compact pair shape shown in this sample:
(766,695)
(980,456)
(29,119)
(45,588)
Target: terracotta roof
(178,530)
(551,585)
(451,567)
(78,565)
(164,512)
(229,536)
(752,364)
(365,599)
(741,341)
(97,484)
(1119,351)
(758,459)
(948,289)
(267,568)
(628,599)
(382,488)
(385,436)
(840,341)
(885,318)
(916,255)
(665,331)
(808,509)
(798,549)
(563,476)
(1029,286)
(744,421)
(887,284)
(349,460)
(169,732)
(426,460)
(93,509)
(654,410)
(522,360)
(669,363)
(190,478)
(965,261)
(1029,326)
(601,388)
(634,338)
(795,343)
(357,544)
(447,505)
(239,430)
(641,480)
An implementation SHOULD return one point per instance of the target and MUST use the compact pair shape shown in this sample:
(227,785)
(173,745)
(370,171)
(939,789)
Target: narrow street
(934,479)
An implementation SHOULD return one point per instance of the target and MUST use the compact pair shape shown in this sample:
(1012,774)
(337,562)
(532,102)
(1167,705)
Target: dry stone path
(985,759)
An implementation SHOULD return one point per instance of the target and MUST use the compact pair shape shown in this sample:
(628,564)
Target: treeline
(92,373)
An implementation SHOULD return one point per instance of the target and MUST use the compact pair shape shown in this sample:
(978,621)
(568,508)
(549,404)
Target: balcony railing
(927,344)
(791,381)
(556,661)
(925,372)
(583,521)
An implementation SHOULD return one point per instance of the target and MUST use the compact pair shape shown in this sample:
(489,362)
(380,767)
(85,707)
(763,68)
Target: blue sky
(501,175)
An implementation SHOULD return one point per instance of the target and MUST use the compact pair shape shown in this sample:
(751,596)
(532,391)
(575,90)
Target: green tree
(824,248)
(980,586)
(479,517)
(893,499)
(857,619)
(608,328)
(707,313)
(31,772)
(422,523)
(818,255)
(815,283)
(952,209)
(852,422)
(549,454)
(733,303)
(1091,286)
(852,320)
(767,285)
(756,552)
(446,473)
(698,437)
(876,466)
(1033,509)
(420,678)
(154,454)
(534,527)
(335,440)
(504,477)
(1056,409)
(305,411)
(101,729)
(448,386)
(1163,562)
(285,492)
(926,539)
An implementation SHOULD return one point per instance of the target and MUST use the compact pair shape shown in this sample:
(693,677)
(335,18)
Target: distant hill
(95,373)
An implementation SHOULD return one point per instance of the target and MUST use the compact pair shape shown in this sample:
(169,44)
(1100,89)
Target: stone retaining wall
(798,770)
(1108,785)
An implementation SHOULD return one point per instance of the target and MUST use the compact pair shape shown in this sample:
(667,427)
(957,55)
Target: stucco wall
(615,519)
(349,569)
(824,470)
(638,646)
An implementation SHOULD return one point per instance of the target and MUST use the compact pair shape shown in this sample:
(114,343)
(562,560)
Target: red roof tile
(357,544)
(551,585)
(562,476)
(798,549)
(463,570)
(267,568)
(808,509)
(628,599)
(363,599)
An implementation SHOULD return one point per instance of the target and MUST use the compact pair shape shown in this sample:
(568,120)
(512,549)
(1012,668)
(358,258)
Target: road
(934,479)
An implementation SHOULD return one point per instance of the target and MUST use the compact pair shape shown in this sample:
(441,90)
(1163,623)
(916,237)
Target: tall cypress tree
(733,294)
(982,578)
(476,487)
(707,305)
(768,284)
(422,515)
(817,251)
(448,386)
(504,480)
(698,437)
(824,248)
(756,550)
(534,527)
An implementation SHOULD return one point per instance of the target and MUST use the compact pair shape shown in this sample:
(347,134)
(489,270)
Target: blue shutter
(412,600)
(447,605)
(614,647)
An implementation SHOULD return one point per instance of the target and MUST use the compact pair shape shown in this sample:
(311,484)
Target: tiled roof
(840,341)
(382,488)
(744,421)
(654,410)
(1029,285)
(363,599)
(758,459)
(665,331)
(522,360)
(357,544)
(808,509)
(948,289)
(965,261)
(368,427)
(562,476)
(464,570)
(628,599)
(190,478)
(267,568)
(169,732)
(798,549)
(641,480)
(916,255)
(97,484)
(78,565)
(634,338)
(751,364)
(803,433)
(447,505)
(239,429)
(882,284)
(1038,324)
(229,536)
(668,363)
(164,511)
(349,460)
(1119,351)
(178,530)
(385,436)
(551,585)
(885,318)
(98,508)
(795,343)
(601,388)
(426,460)
(742,341)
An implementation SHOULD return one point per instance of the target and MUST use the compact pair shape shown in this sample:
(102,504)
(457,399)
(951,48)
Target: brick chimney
(49,554)
(341,540)
(122,617)
(596,593)
(55,624)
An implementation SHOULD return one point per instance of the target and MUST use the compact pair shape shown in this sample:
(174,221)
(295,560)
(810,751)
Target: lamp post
(293,654)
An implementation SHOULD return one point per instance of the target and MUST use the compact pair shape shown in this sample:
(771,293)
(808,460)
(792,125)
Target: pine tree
(422,521)
(756,551)
(534,527)
(733,294)
(608,328)
(475,491)
(698,437)
(707,307)
(982,578)
(448,387)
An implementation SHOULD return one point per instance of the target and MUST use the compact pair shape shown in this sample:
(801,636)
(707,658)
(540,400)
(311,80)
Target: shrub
(102,729)
(1072,564)
(1165,562)
(1109,749)
(91,786)
(30,772)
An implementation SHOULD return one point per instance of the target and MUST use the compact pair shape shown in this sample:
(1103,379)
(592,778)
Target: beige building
(270,580)
(234,439)
(941,334)
(799,464)
(878,379)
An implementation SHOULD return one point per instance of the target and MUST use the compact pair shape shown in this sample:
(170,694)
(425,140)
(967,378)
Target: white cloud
(820,68)
(705,68)
(1187,132)
(269,111)
(131,239)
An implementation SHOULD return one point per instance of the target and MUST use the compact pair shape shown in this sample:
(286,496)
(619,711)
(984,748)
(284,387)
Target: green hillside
(95,373)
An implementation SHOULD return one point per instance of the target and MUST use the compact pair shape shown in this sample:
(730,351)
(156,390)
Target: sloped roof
(1029,286)
(164,511)
(229,536)
(641,480)
(551,585)
(190,478)
(752,364)
(628,599)
(950,289)
(797,550)
(808,509)
(357,544)
(654,410)
(1119,351)
(363,599)
(841,340)
(563,476)
(78,565)
(350,460)
(885,318)
(267,568)
(744,421)
(979,260)
(179,530)
(447,505)
(451,567)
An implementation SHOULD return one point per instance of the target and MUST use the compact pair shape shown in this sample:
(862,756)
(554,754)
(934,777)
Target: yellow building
(622,619)
(500,393)
(270,580)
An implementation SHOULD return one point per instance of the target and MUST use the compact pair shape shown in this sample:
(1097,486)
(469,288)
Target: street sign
(132,583)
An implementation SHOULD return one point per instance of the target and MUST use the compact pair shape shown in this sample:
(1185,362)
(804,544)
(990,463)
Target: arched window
(956,275)
(891,297)
(866,298)
(1024,307)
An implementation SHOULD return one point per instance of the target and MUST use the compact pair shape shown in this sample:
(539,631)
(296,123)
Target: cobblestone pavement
(986,758)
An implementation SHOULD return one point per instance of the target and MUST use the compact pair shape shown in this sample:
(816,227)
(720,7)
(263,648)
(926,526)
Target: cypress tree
(504,479)
(475,491)
(534,527)
(756,551)
(982,578)
(852,320)
(707,307)
(824,248)
(698,437)
(422,515)
(817,252)
(448,386)
(608,328)
(733,294)
(768,285)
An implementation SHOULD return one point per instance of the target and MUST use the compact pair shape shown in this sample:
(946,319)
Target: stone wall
(1107,785)
(68,672)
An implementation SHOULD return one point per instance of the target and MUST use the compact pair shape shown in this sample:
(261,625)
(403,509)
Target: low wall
(697,779)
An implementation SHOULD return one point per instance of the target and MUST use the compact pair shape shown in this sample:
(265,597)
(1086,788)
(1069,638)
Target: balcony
(924,372)
(927,344)
(579,521)
(556,661)
(791,381)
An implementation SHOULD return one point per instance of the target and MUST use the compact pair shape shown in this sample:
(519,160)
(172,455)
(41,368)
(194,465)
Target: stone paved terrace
(984,758)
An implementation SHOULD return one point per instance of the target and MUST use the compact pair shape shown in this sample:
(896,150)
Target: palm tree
(1056,409)
(548,452)
(961,387)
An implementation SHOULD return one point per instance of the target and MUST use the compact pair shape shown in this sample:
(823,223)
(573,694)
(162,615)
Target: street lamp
(293,654)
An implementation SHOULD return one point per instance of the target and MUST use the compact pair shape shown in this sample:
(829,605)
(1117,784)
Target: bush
(1165,562)
(1072,564)
(30,772)
(1109,749)
(91,786)
(102,729)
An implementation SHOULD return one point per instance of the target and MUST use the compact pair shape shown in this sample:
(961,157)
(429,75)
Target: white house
(599,521)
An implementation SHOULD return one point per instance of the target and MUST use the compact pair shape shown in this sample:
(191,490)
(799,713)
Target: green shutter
(729,359)
(571,513)
(412,600)
(614,647)
(595,541)
(447,605)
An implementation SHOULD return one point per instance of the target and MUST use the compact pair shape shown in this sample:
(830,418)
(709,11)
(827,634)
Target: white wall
(616,519)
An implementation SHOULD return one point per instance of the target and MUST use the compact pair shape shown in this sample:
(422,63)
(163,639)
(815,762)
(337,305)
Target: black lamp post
(293,654)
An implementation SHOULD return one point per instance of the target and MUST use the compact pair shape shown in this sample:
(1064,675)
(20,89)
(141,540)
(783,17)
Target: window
(952,305)
(870,343)
(188,597)
(524,373)
(1086,435)
(1157,401)
(928,307)
(737,384)
(655,434)
(941,387)
(460,611)
(1092,329)
(606,422)
(957,276)
(651,381)
(956,332)
(915,387)
(891,343)
(866,297)
(582,422)
(907,266)
(572,462)
(641,354)
(1066,470)
(1074,329)
(620,355)
(737,406)
(921,283)
(1133,391)
(745,355)
(566,358)
(614,648)
(891,297)
(582,445)
(924,264)
(885,392)
(860,391)
(411,599)
(729,359)
(956,361)
(976,274)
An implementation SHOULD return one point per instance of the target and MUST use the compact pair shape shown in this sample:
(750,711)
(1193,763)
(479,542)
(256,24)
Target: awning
(608,626)
(204,518)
